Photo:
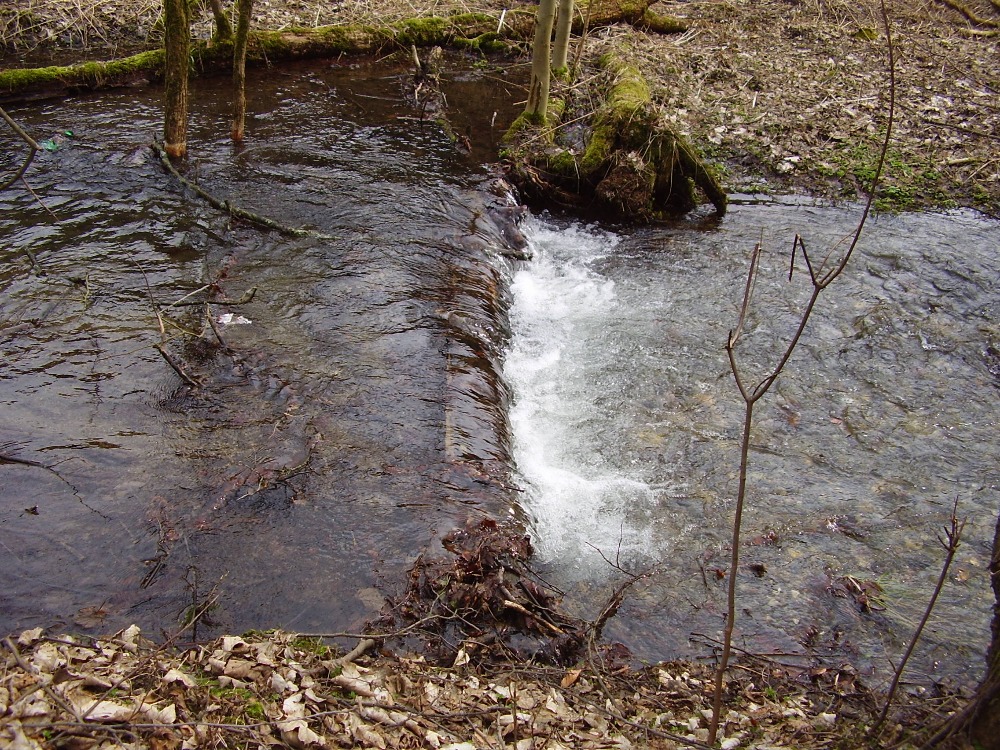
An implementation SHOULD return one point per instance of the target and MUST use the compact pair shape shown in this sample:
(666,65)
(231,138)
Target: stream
(399,373)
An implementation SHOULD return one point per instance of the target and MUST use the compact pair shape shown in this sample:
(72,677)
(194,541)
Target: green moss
(424,31)
(488,42)
(633,9)
(255,711)
(12,81)
(599,148)
(660,24)
(555,112)
(522,123)
(564,162)
(229,692)
(631,163)
(893,199)
(312,646)
(532,127)
(84,75)
(627,107)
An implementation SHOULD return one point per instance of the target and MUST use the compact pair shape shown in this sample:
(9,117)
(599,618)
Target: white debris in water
(228,319)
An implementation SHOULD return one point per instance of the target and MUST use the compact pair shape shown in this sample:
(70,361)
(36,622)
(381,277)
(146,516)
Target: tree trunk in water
(243,10)
(541,49)
(223,29)
(560,48)
(176,42)
(984,728)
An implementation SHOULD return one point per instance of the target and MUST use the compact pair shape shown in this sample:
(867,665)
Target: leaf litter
(278,689)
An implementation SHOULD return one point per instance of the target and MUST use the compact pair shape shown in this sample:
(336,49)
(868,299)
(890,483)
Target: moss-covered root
(692,166)
(635,12)
(656,22)
(631,121)
(633,163)
(661,168)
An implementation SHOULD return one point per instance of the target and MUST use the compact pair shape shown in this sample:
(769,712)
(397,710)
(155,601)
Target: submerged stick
(176,367)
(229,208)
(33,149)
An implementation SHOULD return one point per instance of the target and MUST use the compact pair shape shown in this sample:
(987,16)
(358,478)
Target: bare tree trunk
(176,42)
(984,727)
(223,29)
(560,48)
(538,93)
(244,8)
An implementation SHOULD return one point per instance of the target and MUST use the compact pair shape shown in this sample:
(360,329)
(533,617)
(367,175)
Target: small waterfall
(578,501)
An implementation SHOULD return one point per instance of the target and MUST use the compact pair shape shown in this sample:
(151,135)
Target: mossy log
(473,31)
(622,159)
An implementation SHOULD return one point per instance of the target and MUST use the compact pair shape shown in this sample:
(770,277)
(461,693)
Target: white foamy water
(577,502)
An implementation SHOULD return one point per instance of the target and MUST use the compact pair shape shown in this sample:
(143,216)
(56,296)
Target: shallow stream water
(357,415)
(627,423)
(399,374)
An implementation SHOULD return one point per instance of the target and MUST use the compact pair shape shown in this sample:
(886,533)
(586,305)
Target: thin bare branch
(734,335)
(953,537)
(820,281)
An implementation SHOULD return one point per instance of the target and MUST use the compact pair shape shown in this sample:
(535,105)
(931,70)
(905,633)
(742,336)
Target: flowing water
(627,422)
(399,373)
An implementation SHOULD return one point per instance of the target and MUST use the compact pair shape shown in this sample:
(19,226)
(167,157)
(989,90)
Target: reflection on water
(627,423)
(356,417)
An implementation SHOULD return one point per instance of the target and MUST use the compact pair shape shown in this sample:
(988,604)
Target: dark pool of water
(354,419)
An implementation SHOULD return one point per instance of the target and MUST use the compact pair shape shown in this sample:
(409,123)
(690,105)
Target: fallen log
(485,32)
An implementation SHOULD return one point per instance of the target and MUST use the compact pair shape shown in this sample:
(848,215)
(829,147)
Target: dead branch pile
(484,603)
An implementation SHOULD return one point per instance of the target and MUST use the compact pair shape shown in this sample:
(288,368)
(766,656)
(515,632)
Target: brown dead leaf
(365,734)
(238,668)
(165,739)
(572,675)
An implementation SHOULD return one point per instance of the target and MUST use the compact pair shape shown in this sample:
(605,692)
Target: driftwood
(622,159)
(487,32)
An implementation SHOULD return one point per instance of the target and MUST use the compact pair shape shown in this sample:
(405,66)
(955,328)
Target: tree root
(970,15)
(628,162)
